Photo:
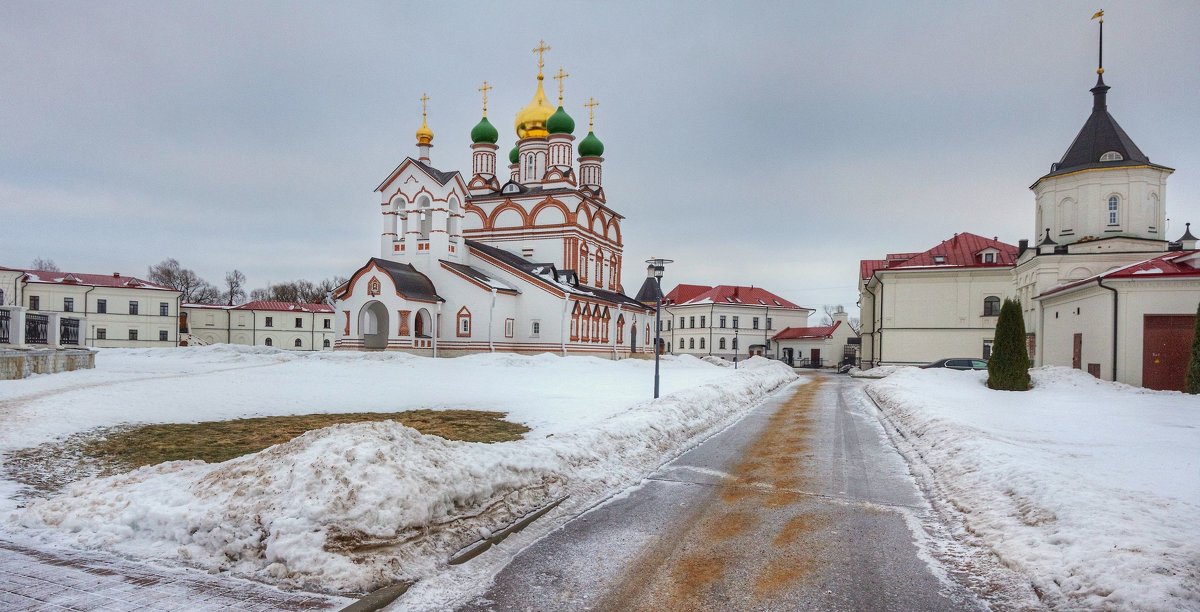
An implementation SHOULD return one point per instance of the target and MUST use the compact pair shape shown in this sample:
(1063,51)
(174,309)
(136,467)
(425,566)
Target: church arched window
(325,344)
(691,343)
(464,322)
(1155,212)
(1114,209)
(297,343)
(721,344)
(1111,156)
(269,342)
(702,344)
(426,217)
(991,306)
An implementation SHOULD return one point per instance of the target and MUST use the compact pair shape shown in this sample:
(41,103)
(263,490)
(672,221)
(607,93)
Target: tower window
(1111,156)
(1114,210)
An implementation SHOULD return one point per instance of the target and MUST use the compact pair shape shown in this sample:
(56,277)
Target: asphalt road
(802,505)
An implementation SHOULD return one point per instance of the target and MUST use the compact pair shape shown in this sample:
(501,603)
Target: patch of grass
(49,467)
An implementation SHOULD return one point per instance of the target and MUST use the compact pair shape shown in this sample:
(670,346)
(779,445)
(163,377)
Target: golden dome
(531,121)
(424,134)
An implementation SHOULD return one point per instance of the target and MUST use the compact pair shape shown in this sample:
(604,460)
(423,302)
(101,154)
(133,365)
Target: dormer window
(1111,156)
(939,259)
(989,256)
(511,188)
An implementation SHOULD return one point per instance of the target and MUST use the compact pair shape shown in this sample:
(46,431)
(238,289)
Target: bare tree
(829,310)
(855,324)
(299,291)
(195,290)
(235,287)
(45,264)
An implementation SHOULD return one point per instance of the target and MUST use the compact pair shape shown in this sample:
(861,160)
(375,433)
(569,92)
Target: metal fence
(36,328)
(5,317)
(68,331)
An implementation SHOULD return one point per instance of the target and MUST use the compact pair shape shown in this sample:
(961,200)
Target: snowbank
(354,507)
(879,371)
(1091,489)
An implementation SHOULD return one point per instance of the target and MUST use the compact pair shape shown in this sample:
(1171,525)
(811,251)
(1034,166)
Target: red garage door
(1166,348)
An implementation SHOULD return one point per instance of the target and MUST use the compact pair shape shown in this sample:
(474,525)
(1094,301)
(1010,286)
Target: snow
(879,371)
(354,507)
(1089,488)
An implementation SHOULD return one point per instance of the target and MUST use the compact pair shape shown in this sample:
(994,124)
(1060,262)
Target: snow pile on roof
(1088,488)
(354,507)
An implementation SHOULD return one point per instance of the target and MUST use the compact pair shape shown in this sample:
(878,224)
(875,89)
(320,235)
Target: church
(528,261)
(1102,286)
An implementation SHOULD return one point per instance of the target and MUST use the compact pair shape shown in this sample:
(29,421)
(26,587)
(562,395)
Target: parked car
(959,363)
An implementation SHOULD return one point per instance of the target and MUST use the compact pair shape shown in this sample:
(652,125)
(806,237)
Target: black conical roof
(650,291)
(1100,134)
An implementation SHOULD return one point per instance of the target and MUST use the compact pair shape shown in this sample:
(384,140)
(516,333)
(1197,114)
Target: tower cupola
(483,152)
(424,134)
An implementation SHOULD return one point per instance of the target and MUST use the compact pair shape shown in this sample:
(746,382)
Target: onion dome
(424,134)
(560,122)
(484,132)
(591,146)
(531,121)
(514,155)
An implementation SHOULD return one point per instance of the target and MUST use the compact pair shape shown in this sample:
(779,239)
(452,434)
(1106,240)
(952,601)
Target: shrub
(1008,368)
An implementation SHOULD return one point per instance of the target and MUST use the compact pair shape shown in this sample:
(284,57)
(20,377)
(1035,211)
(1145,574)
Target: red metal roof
(91,280)
(798,333)
(284,306)
(736,295)
(962,251)
(684,293)
(1175,264)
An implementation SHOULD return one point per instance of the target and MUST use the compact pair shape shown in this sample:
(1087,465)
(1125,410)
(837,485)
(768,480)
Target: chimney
(1022,246)
(116,275)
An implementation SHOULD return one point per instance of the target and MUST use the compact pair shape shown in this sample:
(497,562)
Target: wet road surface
(802,505)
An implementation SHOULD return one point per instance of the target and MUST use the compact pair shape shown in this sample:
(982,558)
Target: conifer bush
(1008,368)
(1192,382)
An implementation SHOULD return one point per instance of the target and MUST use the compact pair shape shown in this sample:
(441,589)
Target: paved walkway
(42,579)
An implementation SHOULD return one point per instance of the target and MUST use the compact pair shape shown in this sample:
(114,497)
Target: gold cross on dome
(591,106)
(541,50)
(424,99)
(559,76)
(485,89)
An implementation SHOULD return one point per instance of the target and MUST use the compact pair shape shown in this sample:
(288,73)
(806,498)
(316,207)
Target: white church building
(528,261)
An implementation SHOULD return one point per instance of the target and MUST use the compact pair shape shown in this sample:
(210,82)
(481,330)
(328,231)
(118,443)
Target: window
(939,259)
(101,333)
(326,343)
(101,306)
(463,328)
(769,323)
(269,342)
(35,302)
(702,343)
(327,324)
(692,322)
(68,304)
(735,324)
(296,343)
(987,349)
(133,307)
(989,258)
(721,344)
(509,325)
(299,322)
(1114,210)
(991,306)
(162,335)
(681,325)
(754,322)
(535,329)
(735,343)
(703,322)
(1111,156)
(668,324)
(722,323)
(164,309)
(1,297)
(133,334)
(270,322)
(691,343)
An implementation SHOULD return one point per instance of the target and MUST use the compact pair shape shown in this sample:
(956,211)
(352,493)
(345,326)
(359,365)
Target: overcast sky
(773,144)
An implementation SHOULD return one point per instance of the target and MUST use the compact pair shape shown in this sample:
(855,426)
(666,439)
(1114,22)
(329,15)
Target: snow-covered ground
(358,506)
(1088,488)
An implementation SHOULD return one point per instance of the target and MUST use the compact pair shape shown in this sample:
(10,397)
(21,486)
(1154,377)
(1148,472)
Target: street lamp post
(735,347)
(659,266)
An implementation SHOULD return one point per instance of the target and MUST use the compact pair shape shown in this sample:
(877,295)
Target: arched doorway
(633,338)
(373,325)
(423,324)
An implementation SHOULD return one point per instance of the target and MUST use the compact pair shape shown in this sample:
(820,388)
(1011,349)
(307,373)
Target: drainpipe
(712,311)
(491,322)
(85,312)
(564,324)
(879,328)
(1100,283)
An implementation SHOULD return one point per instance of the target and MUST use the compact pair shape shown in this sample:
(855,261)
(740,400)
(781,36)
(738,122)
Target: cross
(424,99)
(485,89)
(541,49)
(591,106)
(559,77)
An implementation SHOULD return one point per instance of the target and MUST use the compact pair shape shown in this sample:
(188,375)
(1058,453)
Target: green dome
(514,155)
(591,146)
(560,122)
(484,131)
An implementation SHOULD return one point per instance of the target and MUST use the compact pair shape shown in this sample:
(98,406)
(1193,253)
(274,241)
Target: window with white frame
(509,325)
(68,304)
(1111,156)
(297,343)
(464,322)
(721,322)
(721,344)
(1114,210)
(163,336)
